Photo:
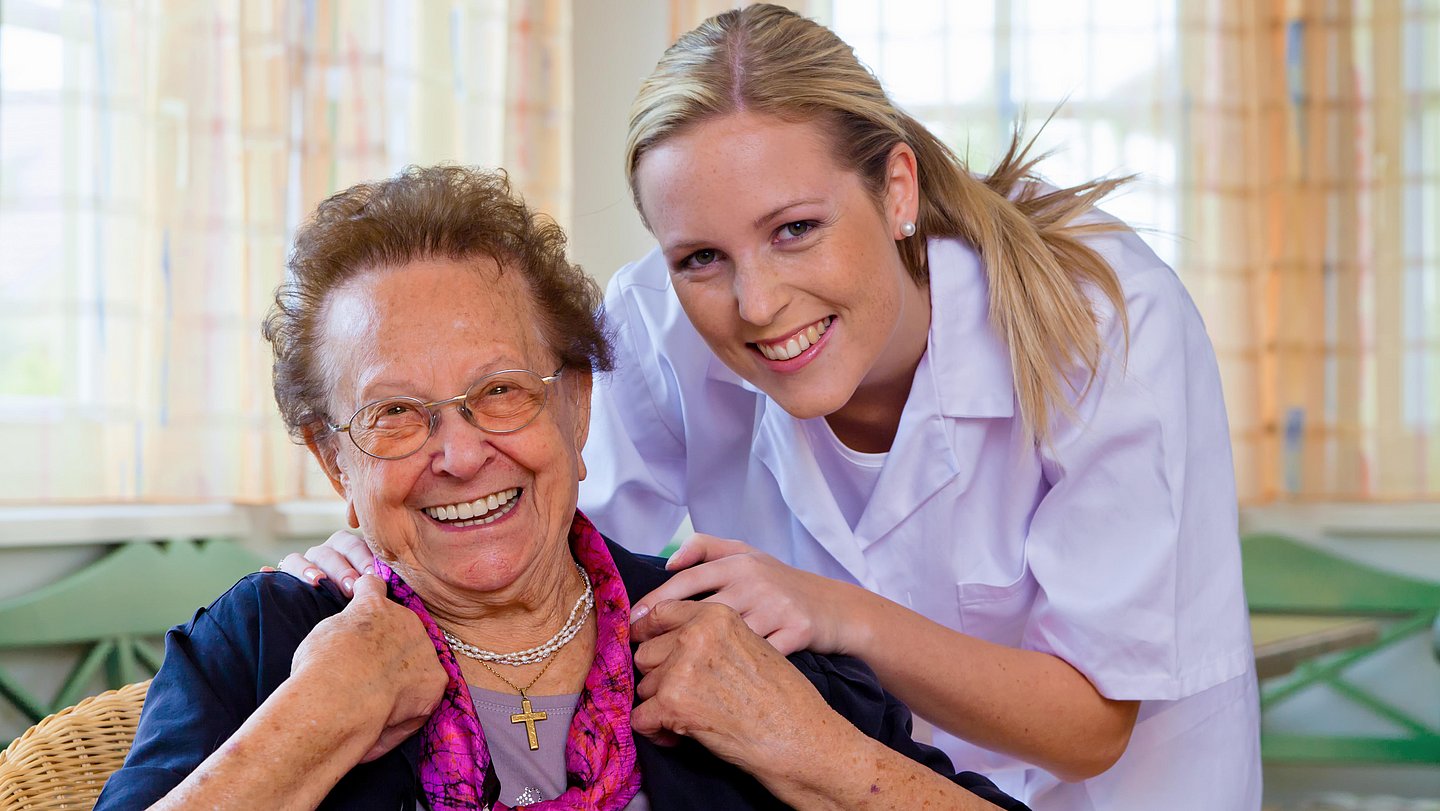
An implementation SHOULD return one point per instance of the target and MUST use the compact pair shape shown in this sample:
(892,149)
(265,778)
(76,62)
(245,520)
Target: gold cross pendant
(528,716)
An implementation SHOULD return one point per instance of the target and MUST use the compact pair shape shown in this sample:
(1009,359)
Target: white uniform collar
(969,359)
(718,371)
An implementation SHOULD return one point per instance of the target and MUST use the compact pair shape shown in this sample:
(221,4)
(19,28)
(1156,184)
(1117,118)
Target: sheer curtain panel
(156,155)
(1312,197)
(1288,154)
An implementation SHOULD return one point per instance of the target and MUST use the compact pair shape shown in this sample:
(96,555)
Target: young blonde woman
(968,429)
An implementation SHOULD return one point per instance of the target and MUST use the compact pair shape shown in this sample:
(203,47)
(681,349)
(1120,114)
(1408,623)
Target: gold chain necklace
(527,715)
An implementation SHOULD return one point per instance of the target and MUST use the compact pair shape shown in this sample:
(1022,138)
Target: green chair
(116,607)
(1284,576)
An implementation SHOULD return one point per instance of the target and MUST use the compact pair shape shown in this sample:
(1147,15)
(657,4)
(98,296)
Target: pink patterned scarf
(455,769)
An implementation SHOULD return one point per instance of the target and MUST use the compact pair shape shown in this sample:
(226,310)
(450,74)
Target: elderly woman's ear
(321,444)
(577,391)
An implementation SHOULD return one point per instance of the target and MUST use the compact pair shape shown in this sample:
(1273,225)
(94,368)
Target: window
(1289,162)
(155,157)
(1108,71)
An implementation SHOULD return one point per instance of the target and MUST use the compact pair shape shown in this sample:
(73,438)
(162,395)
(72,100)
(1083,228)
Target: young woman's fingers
(705,578)
(296,565)
(787,640)
(342,558)
(353,548)
(700,547)
(334,565)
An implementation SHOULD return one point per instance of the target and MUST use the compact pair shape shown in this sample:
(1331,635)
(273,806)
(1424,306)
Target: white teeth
(798,343)
(467,510)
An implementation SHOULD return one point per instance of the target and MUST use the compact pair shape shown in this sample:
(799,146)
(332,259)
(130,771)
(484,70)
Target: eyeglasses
(498,403)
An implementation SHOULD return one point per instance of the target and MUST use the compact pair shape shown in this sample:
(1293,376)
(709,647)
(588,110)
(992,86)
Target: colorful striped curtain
(156,155)
(1289,160)
(1312,200)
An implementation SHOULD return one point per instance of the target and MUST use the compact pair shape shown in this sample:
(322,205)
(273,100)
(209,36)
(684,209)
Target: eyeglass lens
(498,403)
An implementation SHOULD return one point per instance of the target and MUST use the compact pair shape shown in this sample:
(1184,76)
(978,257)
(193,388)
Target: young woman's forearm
(1032,705)
(287,755)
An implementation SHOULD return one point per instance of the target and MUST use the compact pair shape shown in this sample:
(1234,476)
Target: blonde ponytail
(1036,264)
(767,59)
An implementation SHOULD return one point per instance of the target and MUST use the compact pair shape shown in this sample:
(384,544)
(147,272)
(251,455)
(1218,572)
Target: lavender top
(525,776)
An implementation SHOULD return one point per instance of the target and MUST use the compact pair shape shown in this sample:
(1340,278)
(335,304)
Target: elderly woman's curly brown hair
(424,212)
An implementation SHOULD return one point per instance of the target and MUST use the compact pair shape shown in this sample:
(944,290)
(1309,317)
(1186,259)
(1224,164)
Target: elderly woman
(434,350)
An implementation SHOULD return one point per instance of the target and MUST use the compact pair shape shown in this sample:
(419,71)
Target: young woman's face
(785,263)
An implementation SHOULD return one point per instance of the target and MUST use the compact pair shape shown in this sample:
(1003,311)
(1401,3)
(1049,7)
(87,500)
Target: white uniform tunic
(1114,547)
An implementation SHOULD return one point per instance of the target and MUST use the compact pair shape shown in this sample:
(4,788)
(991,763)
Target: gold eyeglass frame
(433,409)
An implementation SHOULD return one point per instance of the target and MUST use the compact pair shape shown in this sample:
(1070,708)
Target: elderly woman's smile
(484,510)
(464,510)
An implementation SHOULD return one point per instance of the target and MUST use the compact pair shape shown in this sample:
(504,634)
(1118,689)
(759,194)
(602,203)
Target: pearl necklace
(578,615)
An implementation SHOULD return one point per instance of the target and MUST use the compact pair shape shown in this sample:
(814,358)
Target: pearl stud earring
(907,228)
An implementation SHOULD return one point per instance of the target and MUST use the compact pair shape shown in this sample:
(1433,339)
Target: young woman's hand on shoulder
(791,608)
(342,558)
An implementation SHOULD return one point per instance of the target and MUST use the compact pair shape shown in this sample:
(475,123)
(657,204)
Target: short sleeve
(1135,546)
(635,487)
(201,695)
(217,670)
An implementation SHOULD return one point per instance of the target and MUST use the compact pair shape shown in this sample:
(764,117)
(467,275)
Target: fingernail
(639,613)
(313,575)
(370,569)
(348,584)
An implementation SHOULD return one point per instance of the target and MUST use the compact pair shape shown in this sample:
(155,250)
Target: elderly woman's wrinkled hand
(376,655)
(707,676)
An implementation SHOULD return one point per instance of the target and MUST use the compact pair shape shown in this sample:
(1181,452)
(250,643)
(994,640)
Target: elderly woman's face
(428,330)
